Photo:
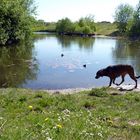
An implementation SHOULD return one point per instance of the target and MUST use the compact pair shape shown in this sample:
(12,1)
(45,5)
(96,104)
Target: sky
(103,10)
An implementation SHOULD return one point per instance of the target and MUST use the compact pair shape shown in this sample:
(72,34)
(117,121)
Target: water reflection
(17,65)
(39,65)
(38,37)
(127,52)
(68,41)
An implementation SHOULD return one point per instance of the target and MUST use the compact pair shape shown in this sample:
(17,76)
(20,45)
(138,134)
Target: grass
(105,28)
(48,27)
(98,114)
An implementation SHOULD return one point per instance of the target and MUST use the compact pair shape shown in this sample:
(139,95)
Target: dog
(115,71)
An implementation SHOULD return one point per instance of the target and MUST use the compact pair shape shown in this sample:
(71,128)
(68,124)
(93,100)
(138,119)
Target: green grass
(49,27)
(105,28)
(98,114)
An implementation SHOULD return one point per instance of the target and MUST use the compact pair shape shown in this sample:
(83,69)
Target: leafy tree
(135,25)
(123,15)
(87,24)
(15,20)
(84,25)
(65,25)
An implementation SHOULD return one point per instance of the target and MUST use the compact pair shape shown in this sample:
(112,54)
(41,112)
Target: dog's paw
(117,84)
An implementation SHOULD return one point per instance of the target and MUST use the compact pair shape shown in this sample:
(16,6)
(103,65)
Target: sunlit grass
(105,28)
(95,114)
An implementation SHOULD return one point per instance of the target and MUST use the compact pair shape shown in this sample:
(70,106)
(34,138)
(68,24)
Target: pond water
(39,65)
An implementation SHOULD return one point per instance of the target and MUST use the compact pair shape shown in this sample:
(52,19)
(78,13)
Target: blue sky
(103,10)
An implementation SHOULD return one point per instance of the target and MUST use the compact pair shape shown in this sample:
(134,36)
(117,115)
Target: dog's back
(117,70)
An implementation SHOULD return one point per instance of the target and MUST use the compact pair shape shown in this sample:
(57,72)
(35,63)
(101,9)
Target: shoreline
(122,88)
(95,35)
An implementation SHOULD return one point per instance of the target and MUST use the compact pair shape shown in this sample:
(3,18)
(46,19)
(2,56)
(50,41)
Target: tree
(64,25)
(15,20)
(87,24)
(123,15)
(135,25)
(84,25)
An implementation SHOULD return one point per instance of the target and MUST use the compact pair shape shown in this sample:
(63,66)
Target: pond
(39,64)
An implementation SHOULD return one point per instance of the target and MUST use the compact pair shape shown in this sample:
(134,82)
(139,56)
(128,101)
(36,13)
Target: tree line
(17,21)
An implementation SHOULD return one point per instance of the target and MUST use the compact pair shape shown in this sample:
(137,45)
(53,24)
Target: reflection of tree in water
(67,41)
(17,64)
(127,51)
(41,36)
(38,37)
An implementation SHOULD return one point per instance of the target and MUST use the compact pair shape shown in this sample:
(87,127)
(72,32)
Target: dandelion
(30,107)
(59,125)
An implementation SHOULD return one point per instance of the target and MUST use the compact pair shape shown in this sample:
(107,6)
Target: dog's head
(99,74)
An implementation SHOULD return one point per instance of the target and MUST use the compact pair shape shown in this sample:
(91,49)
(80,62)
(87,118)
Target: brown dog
(115,71)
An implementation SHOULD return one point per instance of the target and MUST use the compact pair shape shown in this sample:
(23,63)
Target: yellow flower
(46,119)
(59,125)
(30,107)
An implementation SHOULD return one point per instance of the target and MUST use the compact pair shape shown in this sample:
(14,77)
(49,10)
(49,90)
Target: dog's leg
(134,78)
(110,82)
(121,81)
(114,81)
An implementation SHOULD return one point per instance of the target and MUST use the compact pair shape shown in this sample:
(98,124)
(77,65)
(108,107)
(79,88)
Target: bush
(84,25)
(15,20)
(65,25)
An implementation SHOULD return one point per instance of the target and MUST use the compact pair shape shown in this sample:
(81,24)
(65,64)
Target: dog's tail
(137,77)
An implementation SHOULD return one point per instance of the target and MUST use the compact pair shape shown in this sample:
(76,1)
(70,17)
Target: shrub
(15,20)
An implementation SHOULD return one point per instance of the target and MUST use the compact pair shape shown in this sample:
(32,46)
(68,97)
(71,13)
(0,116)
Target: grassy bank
(102,28)
(105,28)
(96,114)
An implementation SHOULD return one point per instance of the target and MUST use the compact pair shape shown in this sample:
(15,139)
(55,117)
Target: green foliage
(40,25)
(135,25)
(123,15)
(64,25)
(88,24)
(128,20)
(15,20)
(98,92)
(84,25)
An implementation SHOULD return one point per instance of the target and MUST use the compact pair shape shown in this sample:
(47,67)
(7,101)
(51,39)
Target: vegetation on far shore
(126,23)
(17,22)
(101,28)
(96,114)
(128,20)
